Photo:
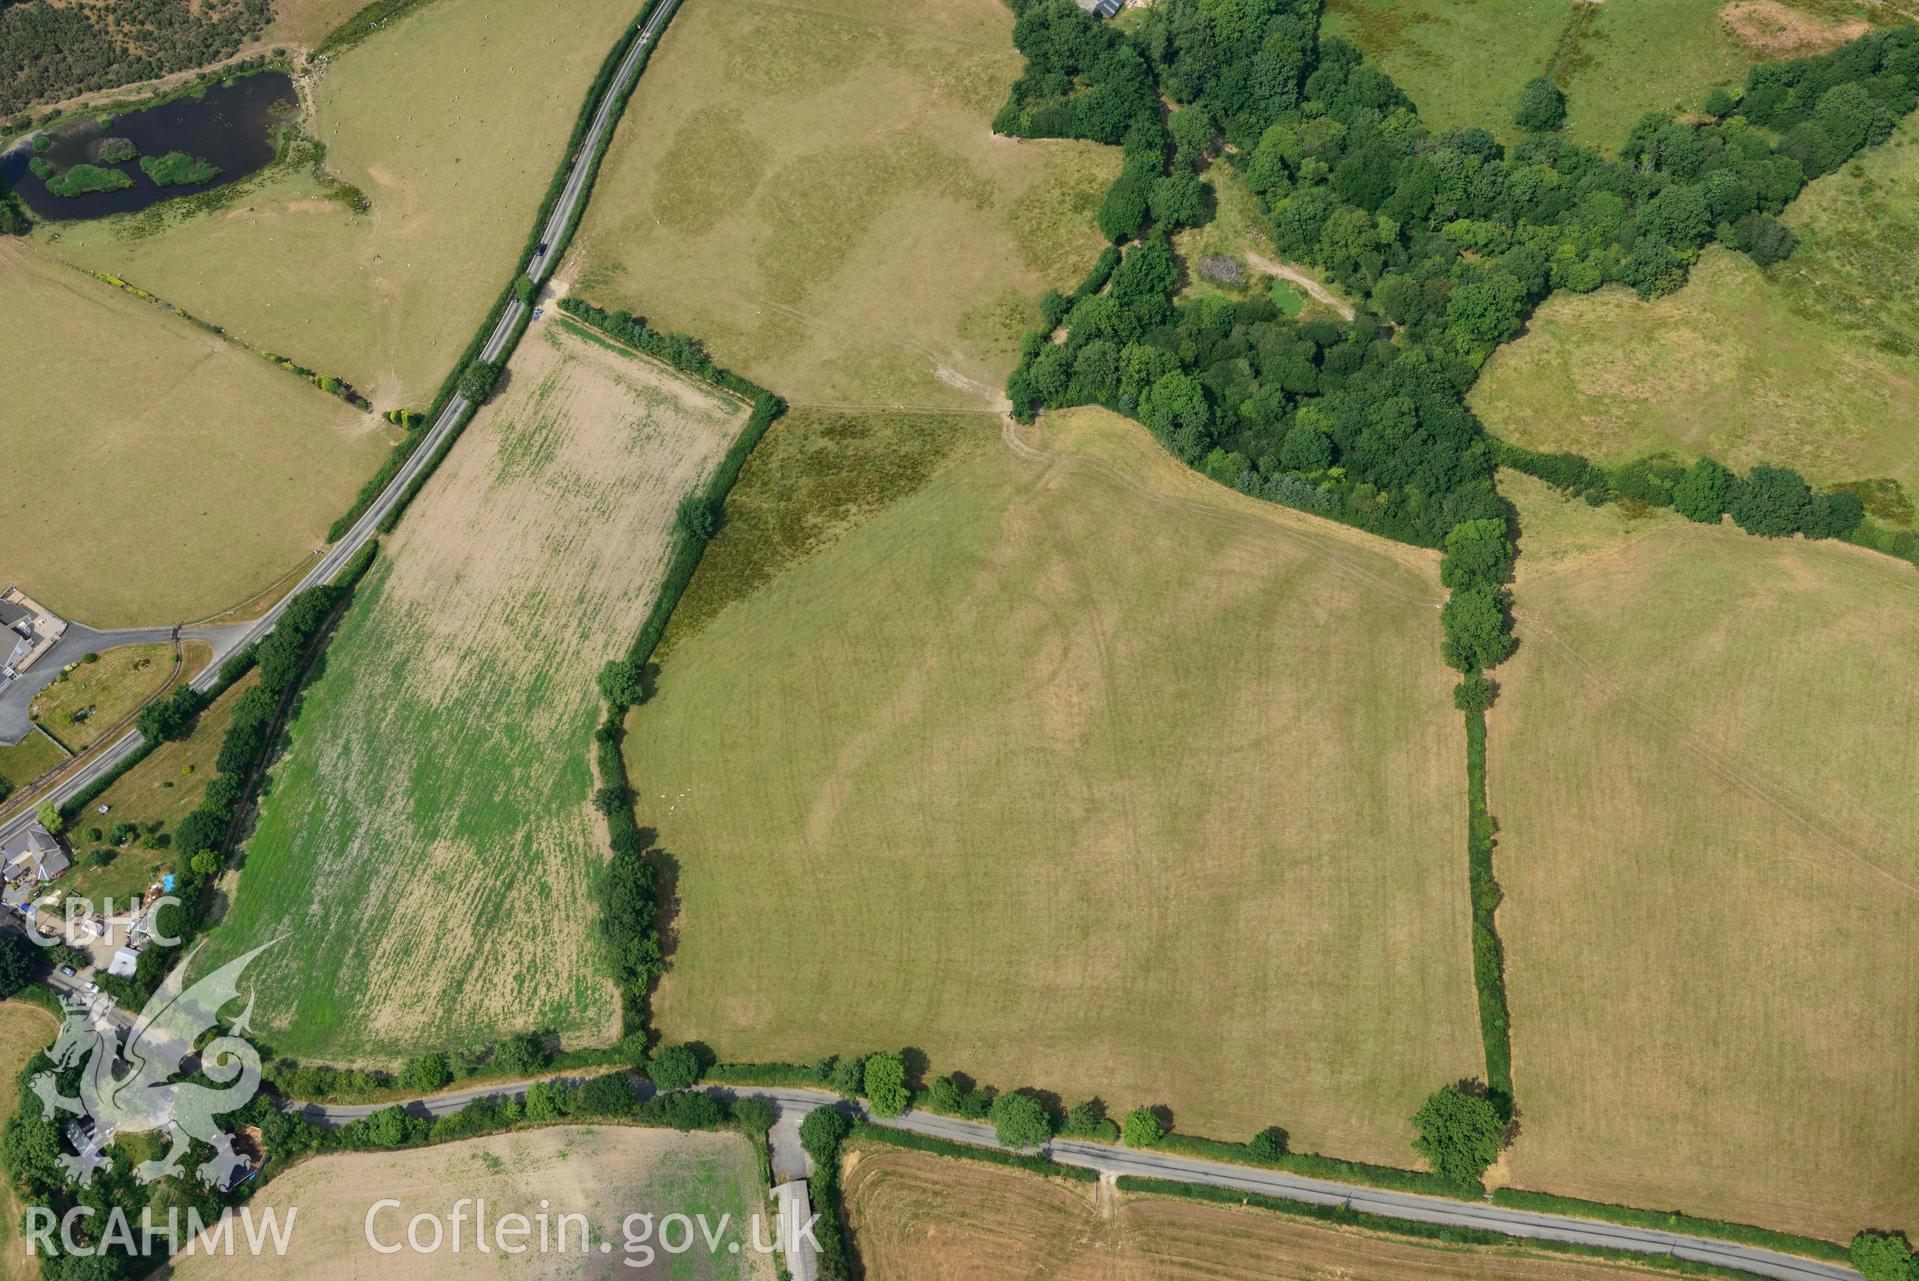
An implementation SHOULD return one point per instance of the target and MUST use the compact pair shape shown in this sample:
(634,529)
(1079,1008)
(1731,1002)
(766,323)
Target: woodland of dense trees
(1447,239)
(49,53)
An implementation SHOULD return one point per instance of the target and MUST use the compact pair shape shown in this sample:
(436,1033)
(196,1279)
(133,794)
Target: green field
(1615,59)
(816,191)
(451,122)
(1075,770)
(164,475)
(1810,363)
(426,843)
(93,698)
(1702,766)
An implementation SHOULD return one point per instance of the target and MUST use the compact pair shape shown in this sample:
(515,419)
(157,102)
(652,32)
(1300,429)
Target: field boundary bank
(344,390)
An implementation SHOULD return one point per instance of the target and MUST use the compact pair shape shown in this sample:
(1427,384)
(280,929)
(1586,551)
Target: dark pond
(231,126)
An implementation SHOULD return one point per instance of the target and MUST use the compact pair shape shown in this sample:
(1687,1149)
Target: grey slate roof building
(32,852)
(1100,8)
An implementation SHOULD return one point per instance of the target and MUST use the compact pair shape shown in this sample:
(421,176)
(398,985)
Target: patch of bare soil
(1776,30)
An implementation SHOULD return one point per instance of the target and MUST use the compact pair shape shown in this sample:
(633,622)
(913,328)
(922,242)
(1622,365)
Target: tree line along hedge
(629,888)
(1449,241)
(201,838)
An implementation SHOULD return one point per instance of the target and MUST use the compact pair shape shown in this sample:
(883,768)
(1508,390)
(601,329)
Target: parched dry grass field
(1811,363)
(1615,59)
(1075,770)
(430,818)
(1702,765)
(926,1218)
(163,474)
(603,1173)
(817,192)
(24,1031)
(451,121)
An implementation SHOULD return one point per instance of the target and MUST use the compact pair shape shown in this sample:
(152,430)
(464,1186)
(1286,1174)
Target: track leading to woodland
(499,345)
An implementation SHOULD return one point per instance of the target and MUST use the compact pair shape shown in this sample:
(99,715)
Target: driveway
(18,694)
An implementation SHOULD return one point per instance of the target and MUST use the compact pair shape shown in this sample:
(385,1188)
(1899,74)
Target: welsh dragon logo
(144,1097)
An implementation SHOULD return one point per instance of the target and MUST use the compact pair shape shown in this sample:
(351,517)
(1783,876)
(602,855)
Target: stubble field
(604,1173)
(1702,764)
(166,475)
(1810,363)
(1075,770)
(816,191)
(427,842)
(925,1218)
(451,121)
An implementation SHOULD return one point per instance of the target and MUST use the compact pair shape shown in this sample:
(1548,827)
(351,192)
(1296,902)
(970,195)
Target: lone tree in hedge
(1460,1134)
(1884,1256)
(697,518)
(1700,494)
(821,1134)
(673,1067)
(479,380)
(428,1073)
(621,684)
(522,1052)
(1020,1121)
(1269,1144)
(1474,620)
(886,1084)
(1141,1129)
(1542,108)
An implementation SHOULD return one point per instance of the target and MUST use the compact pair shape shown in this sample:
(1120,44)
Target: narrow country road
(17,695)
(227,641)
(793,1103)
